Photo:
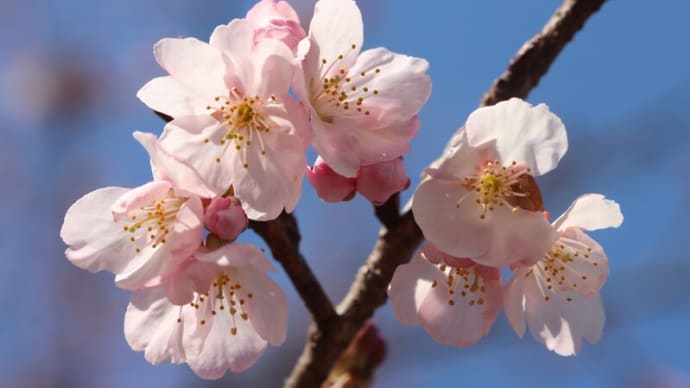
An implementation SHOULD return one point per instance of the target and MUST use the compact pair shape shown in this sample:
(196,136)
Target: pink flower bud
(225,218)
(276,20)
(377,182)
(330,186)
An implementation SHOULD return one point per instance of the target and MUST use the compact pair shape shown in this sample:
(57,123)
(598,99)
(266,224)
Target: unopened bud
(225,217)
(329,185)
(377,182)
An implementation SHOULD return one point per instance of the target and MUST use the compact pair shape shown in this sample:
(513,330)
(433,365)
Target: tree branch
(399,238)
(282,236)
(536,56)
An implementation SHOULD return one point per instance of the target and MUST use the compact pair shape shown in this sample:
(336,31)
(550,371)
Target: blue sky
(69,75)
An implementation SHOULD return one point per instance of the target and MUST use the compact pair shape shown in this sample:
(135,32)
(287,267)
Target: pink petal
(410,285)
(590,212)
(137,197)
(267,309)
(587,271)
(273,66)
(185,179)
(195,65)
(151,325)
(238,256)
(465,316)
(335,27)
(216,349)
(95,241)
(522,133)
(346,147)
(397,84)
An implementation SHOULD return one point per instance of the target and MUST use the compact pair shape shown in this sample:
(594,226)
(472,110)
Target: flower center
(150,225)
(465,280)
(341,92)
(245,126)
(496,185)
(226,296)
(565,266)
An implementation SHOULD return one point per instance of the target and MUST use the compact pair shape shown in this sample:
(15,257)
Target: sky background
(69,72)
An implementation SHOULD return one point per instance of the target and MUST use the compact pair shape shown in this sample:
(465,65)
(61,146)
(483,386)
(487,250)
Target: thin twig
(396,245)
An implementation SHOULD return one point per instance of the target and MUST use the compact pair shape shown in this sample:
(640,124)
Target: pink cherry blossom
(233,311)
(363,106)
(271,19)
(455,300)
(559,295)
(141,233)
(377,182)
(224,217)
(329,185)
(466,205)
(234,121)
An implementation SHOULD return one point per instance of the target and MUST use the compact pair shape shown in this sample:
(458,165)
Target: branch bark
(283,237)
(331,333)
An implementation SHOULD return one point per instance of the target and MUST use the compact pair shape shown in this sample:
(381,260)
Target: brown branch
(536,56)
(399,238)
(282,236)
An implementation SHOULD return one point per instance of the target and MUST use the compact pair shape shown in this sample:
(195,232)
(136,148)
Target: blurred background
(69,71)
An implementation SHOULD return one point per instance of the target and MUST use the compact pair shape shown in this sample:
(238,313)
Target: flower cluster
(480,210)
(234,151)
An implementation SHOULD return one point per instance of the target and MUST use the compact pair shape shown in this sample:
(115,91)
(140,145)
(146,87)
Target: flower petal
(186,180)
(398,86)
(95,242)
(267,309)
(137,197)
(590,212)
(336,29)
(410,285)
(216,349)
(514,302)
(151,325)
(522,133)
(195,65)
(165,94)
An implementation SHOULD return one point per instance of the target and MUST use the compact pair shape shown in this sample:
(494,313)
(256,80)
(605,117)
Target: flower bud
(377,182)
(276,20)
(329,185)
(225,217)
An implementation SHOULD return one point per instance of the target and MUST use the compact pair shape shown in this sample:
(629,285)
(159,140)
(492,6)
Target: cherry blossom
(228,311)
(559,295)
(139,233)
(271,19)
(378,182)
(234,121)
(363,106)
(468,205)
(455,300)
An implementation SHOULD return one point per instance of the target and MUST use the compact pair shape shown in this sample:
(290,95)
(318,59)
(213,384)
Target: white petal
(195,65)
(267,309)
(165,94)
(522,133)
(216,349)
(562,321)
(335,27)
(151,325)
(514,302)
(185,179)
(397,84)
(410,285)
(591,212)
(95,241)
